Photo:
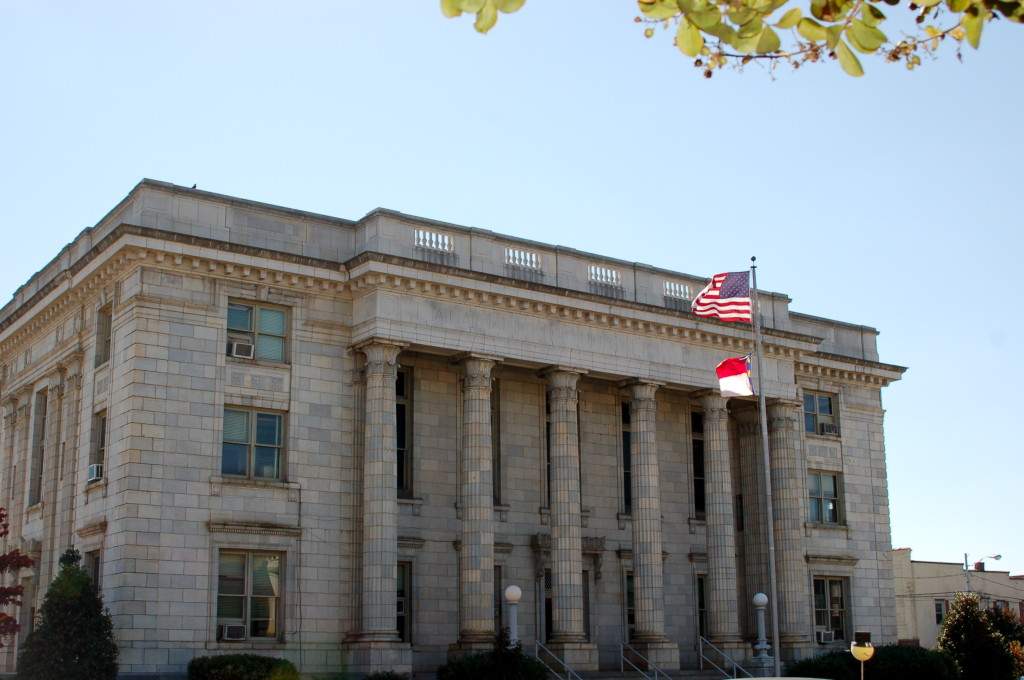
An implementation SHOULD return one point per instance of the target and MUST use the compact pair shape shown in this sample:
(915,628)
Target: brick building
(338,442)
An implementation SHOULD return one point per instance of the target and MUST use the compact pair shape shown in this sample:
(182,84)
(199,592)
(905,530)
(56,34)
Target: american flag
(727,297)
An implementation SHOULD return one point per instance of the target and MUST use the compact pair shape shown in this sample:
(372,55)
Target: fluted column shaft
(566,537)
(380,497)
(789,494)
(722,600)
(648,571)
(476,499)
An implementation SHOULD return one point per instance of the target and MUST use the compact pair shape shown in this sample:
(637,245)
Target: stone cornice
(253,528)
(847,369)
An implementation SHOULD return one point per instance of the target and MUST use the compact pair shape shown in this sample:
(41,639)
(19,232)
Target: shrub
(979,650)
(241,667)
(74,639)
(505,662)
(387,675)
(888,663)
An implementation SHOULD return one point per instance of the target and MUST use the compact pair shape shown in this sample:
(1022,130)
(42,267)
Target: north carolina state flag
(734,377)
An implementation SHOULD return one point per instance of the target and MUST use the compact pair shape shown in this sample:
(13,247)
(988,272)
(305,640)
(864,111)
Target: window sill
(415,505)
(822,526)
(217,482)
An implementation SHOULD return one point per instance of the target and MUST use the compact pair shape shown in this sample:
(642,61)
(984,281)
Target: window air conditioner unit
(232,631)
(241,350)
(95,472)
(828,428)
(825,636)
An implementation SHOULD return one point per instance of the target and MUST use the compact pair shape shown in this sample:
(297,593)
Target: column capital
(783,413)
(463,357)
(380,350)
(562,377)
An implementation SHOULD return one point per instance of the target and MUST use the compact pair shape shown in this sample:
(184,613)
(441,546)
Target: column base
(761,666)
(660,653)
(365,655)
(579,656)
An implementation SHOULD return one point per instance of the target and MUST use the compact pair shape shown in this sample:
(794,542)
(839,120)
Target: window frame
(404,432)
(698,467)
(941,609)
(404,600)
(816,503)
(815,415)
(38,451)
(626,432)
(254,333)
(252,444)
(831,612)
(104,334)
(98,451)
(495,399)
(247,596)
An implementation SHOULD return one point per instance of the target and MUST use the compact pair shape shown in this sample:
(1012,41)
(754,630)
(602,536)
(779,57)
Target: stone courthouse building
(339,441)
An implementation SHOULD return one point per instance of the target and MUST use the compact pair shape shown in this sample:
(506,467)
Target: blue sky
(890,200)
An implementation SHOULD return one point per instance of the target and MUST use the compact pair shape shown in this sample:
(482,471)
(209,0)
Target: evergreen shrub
(505,662)
(241,667)
(891,662)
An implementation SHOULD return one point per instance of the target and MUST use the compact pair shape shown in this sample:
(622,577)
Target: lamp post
(760,602)
(967,567)
(512,596)
(862,649)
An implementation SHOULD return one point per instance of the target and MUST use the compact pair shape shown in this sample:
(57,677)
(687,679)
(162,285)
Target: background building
(339,441)
(924,591)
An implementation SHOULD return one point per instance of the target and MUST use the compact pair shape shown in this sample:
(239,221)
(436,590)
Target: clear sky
(892,200)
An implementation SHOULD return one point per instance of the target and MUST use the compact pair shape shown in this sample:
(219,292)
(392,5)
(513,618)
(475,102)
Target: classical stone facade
(339,441)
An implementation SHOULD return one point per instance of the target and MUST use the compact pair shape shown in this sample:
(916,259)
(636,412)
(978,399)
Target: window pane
(815,510)
(268,429)
(236,426)
(814,484)
(272,321)
(230,607)
(267,463)
(829,486)
(698,458)
(809,403)
(234,459)
(239,317)
(809,422)
(824,405)
(270,348)
(400,426)
(231,580)
(831,512)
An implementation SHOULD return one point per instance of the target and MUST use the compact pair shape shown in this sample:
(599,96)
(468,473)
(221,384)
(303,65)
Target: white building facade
(339,441)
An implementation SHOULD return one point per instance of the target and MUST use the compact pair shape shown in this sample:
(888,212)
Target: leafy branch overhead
(718,33)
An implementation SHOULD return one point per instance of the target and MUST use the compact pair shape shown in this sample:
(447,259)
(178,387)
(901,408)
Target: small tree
(74,639)
(10,563)
(980,651)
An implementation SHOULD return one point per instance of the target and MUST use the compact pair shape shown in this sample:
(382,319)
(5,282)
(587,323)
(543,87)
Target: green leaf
(741,15)
(451,8)
(769,41)
(871,15)
(927,3)
(659,9)
(471,6)
(486,17)
(958,6)
(751,28)
(789,19)
(833,34)
(509,6)
(867,37)
(745,45)
(848,60)
(811,29)
(705,20)
(973,23)
(689,39)
(723,31)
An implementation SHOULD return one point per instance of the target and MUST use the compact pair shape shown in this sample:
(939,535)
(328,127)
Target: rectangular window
(630,605)
(547,448)
(403,586)
(253,444)
(499,600)
(403,432)
(627,460)
(830,606)
(99,439)
(941,607)
(495,442)
(702,606)
(94,566)
(249,587)
(261,327)
(697,442)
(103,325)
(819,414)
(823,490)
(35,488)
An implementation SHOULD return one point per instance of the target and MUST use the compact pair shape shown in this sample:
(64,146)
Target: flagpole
(772,578)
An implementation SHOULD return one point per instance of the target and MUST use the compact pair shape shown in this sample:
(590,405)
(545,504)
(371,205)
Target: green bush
(978,648)
(387,675)
(506,662)
(241,667)
(888,663)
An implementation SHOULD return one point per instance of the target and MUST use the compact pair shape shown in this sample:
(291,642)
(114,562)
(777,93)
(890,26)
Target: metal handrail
(570,674)
(658,673)
(736,668)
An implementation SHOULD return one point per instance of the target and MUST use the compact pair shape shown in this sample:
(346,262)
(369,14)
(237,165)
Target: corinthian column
(568,636)
(380,503)
(648,573)
(476,500)
(789,496)
(722,600)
